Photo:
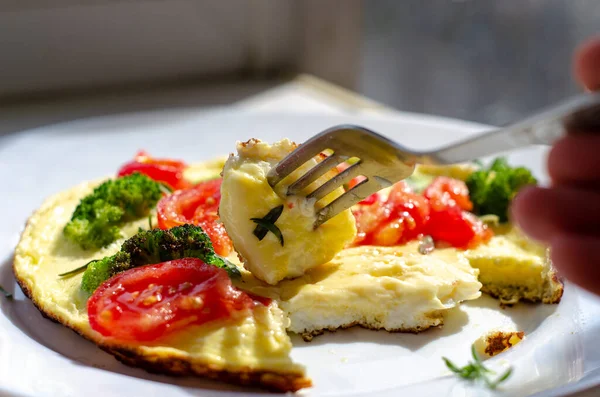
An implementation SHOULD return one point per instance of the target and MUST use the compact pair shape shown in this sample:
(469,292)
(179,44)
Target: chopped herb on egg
(267,224)
(77,270)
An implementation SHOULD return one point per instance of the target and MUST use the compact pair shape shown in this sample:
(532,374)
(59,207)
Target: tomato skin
(198,205)
(460,229)
(149,302)
(446,192)
(163,170)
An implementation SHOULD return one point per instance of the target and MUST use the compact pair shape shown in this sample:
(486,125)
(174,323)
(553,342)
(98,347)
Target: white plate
(38,357)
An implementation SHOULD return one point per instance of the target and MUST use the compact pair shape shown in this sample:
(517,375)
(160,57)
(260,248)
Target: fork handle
(579,114)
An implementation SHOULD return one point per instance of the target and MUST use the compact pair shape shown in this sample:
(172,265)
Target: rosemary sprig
(78,270)
(267,224)
(477,371)
(7,294)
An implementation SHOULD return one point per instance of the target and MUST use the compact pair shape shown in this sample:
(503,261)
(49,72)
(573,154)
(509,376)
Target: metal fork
(384,162)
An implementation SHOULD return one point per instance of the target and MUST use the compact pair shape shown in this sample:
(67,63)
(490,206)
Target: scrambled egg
(246,194)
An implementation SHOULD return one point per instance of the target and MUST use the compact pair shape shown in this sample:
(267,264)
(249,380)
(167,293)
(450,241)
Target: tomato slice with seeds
(149,302)
(163,170)
(199,206)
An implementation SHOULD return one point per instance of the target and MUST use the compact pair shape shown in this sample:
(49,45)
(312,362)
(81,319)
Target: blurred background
(482,60)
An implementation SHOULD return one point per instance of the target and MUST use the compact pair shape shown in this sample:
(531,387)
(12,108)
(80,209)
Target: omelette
(252,351)
(329,286)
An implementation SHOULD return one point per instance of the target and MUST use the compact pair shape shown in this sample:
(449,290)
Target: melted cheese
(258,341)
(394,288)
(246,194)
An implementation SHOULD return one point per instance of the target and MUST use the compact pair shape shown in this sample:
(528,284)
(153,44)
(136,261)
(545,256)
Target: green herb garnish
(7,294)
(267,224)
(477,371)
(78,270)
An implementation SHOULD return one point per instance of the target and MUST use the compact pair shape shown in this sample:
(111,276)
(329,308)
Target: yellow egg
(246,194)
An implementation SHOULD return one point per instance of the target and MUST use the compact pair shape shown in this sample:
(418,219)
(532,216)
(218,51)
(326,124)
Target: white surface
(39,358)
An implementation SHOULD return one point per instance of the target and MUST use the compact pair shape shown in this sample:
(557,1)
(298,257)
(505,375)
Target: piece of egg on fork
(246,194)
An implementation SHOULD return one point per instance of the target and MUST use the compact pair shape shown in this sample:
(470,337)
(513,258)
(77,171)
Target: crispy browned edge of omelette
(135,357)
(499,341)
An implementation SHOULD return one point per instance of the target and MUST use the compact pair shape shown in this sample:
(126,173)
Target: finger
(524,213)
(543,213)
(577,258)
(575,159)
(587,64)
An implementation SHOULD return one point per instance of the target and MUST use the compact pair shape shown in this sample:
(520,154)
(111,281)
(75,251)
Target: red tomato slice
(199,206)
(162,170)
(148,302)
(446,192)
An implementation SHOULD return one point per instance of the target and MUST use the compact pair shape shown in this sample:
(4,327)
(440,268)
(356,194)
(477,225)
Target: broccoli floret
(101,270)
(96,220)
(491,190)
(156,246)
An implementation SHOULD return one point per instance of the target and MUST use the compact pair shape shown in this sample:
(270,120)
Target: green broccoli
(492,189)
(155,246)
(96,220)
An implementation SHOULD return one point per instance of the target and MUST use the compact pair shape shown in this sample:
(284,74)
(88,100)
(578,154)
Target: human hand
(567,215)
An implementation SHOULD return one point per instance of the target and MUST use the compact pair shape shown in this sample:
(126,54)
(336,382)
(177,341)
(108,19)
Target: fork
(383,162)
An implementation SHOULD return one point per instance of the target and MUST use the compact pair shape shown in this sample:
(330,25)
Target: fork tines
(368,154)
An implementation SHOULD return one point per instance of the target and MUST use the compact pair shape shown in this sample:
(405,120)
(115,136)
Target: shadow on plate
(526,316)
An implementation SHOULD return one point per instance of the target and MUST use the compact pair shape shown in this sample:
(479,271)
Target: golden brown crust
(135,357)
(273,381)
(499,341)
(509,295)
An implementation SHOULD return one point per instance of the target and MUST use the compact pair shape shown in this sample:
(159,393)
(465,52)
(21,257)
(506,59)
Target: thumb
(587,64)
